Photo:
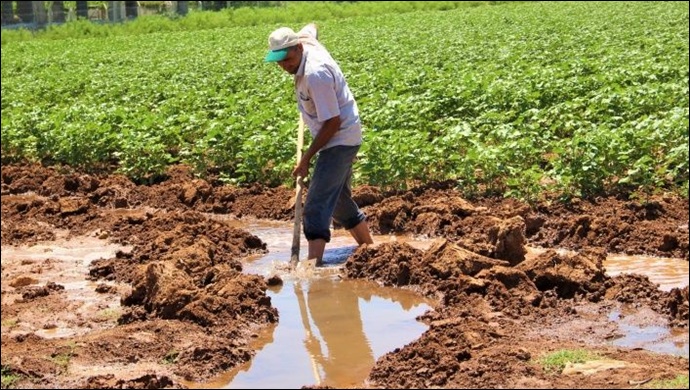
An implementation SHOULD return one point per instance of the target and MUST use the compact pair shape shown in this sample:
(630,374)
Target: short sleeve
(321,87)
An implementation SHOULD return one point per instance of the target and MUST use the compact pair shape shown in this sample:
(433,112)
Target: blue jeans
(330,194)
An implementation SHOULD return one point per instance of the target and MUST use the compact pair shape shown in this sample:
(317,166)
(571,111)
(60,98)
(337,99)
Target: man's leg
(316,249)
(361,233)
(349,216)
(331,171)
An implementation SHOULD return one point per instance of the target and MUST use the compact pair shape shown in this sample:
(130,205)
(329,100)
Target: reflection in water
(264,338)
(328,328)
(330,333)
(334,308)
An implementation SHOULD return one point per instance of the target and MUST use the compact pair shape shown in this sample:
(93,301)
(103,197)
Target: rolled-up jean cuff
(316,236)
(352,222)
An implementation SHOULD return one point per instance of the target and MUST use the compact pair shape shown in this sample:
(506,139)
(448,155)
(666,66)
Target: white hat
(278,43)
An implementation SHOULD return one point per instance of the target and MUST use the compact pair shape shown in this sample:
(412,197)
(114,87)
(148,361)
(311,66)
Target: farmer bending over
(330,111)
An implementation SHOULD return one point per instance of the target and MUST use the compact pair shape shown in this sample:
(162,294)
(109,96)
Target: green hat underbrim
(276,55)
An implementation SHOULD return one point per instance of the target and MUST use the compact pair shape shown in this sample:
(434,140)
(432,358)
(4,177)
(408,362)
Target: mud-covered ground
(188,312)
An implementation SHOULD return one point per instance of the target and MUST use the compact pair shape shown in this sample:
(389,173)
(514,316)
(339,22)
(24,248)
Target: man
(330,111)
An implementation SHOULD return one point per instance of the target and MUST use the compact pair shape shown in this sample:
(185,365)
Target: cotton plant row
(525,100)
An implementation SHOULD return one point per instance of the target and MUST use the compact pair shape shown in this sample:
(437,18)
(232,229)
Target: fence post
(116,11)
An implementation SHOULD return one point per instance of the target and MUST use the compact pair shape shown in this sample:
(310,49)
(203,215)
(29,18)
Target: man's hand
(301,169)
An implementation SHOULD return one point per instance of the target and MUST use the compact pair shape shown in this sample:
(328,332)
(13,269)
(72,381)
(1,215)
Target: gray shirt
(322,92)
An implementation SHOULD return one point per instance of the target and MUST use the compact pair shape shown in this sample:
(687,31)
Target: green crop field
(527,99)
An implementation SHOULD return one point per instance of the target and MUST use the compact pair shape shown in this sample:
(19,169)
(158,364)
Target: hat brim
(276,55)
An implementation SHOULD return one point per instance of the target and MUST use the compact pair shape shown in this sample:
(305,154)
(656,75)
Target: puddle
(330,331)
(666,272)
(55,333)
(82,250)
(654,335)
(64,262)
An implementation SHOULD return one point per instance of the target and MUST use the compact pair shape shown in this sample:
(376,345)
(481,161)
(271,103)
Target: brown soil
(189,313)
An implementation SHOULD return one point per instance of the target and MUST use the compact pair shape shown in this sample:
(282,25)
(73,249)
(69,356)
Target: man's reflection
(334,309)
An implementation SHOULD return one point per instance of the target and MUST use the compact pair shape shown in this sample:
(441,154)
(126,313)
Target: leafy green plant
(522,109)
(679,382)
(62,359)
(170,357)
(555,362)
(10,322)
(9,378)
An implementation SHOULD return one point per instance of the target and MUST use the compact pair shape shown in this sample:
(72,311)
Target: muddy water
(64,262)
(665,272)
(330,331)
(647,330)
(643,328)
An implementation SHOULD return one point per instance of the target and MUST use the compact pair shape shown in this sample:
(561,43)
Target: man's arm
(328,130)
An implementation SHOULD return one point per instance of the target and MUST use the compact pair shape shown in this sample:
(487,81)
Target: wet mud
(173,305)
